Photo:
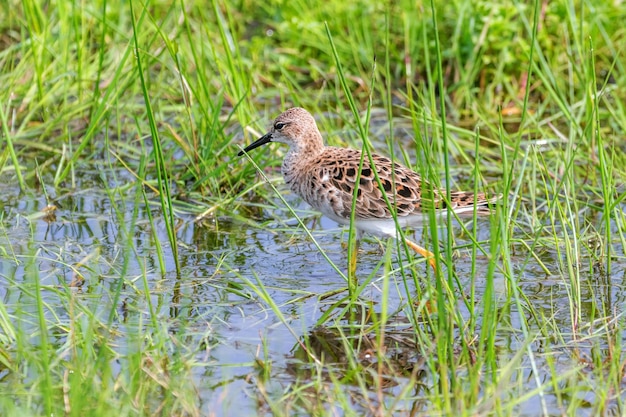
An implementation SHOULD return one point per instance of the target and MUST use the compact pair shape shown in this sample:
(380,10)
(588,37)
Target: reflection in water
(393,362)
(362,365)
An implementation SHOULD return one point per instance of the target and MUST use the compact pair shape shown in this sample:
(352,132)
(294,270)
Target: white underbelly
(380,227)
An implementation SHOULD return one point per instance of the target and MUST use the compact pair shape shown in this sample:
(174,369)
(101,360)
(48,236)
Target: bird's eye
(279,125)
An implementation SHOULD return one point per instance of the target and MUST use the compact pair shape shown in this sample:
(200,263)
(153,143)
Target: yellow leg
(352,262)
(430,257)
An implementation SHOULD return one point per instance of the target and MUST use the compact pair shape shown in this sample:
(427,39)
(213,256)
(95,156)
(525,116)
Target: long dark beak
(259,142)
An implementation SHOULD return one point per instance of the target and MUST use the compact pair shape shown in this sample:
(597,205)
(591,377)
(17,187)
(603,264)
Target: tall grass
(144,105)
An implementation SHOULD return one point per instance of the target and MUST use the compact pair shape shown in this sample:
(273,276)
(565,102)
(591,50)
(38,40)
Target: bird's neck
(295,158)
(305,149)
(298,157)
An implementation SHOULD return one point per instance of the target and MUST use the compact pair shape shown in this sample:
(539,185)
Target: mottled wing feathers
(403,186)
(336,171)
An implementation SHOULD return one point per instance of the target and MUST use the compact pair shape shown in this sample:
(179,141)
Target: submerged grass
(124,276)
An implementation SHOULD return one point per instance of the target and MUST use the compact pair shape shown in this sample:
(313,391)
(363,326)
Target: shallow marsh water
(81,252)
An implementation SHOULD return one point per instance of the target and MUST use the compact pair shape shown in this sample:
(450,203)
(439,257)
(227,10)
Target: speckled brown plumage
(325,177)
(406,192)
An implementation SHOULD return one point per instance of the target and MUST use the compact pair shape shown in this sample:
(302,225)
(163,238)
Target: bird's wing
(406,192)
